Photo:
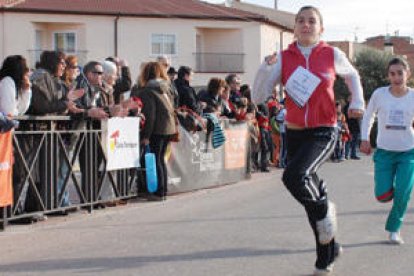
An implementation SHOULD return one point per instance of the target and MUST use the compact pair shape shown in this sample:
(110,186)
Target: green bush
(372,65)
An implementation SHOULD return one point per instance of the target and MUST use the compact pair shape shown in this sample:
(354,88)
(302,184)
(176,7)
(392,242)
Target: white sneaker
(323,271)
(395,238)
(327,227)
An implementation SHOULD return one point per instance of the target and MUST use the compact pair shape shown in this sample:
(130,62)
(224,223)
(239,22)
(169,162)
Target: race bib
(395,120)
(301,85)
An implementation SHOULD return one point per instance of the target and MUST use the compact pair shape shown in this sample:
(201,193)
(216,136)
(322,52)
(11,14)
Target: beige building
(212,39)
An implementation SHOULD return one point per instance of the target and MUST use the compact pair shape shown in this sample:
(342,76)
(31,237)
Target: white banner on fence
(121,141)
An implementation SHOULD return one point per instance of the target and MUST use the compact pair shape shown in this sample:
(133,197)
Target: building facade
(214,40)
(398,45)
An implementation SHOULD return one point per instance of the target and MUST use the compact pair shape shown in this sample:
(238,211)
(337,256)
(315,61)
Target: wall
(2,40)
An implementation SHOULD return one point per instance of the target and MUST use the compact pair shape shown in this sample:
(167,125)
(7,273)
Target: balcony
(219,62)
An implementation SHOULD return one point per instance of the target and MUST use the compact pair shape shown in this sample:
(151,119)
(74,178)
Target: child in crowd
(342,133)
(264,143)
(254,134)
(274,109)
(265,137)
(394,156)
(240,109)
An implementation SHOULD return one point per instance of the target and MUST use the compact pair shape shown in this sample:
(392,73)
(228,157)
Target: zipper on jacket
(307,104)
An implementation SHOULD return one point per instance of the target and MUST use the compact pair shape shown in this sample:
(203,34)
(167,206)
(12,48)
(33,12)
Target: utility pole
(356,29)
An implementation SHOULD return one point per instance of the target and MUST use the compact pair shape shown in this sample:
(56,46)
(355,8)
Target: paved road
(249,228)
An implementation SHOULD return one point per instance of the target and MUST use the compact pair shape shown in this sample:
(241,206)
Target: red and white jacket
(325,62)
(320,108)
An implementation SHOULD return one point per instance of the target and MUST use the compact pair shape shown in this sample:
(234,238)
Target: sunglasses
(73,67)
(97,72)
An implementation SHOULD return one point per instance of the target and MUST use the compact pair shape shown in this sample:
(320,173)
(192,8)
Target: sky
(343,20)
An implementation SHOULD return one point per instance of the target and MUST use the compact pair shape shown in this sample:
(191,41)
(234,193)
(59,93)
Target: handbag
(151,170)
(190,120)
(176,136)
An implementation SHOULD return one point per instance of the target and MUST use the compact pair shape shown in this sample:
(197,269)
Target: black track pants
(307,150)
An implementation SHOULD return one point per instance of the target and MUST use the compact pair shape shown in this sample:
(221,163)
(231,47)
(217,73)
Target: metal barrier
(219,62)
(55,155)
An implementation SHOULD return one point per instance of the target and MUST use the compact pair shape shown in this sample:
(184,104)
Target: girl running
(394,157)
(307,69)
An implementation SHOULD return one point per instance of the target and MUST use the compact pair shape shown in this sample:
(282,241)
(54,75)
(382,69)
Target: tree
(372,67)
(341,90)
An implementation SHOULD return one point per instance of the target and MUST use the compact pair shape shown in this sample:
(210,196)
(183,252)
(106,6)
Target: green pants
(394,178)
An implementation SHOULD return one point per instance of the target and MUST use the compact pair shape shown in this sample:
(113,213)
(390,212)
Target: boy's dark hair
(230,78)
(212,107)
(111,59)
(246,91)
(250,108)
(171,71)
(262,108)
(184,70)
(90,66)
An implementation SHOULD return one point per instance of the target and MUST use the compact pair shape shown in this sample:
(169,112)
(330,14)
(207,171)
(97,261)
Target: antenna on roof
(356,29)
(228,3)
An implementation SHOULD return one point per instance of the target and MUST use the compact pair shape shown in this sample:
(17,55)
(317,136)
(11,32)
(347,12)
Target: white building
(212,39)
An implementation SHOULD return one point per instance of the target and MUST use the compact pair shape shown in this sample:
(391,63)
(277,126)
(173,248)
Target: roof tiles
(149,8)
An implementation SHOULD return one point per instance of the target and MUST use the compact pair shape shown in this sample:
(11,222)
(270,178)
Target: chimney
(228,3)
(276,6)
(388,45)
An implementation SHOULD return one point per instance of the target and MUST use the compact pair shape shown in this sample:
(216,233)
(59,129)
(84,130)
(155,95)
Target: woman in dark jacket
(186,93)
(49,95)
(158,110)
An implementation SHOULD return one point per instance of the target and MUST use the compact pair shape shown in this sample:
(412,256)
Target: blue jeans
(351,146)
(63,171)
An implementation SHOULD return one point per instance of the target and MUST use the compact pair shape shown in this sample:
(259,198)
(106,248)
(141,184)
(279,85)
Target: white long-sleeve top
(270,75)
(8,102)
(395,117)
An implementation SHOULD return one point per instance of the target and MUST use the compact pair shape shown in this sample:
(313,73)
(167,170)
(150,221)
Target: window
(38,45)
(65,42)
(163,44)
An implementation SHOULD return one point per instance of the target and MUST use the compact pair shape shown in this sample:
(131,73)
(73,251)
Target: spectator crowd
(160,96)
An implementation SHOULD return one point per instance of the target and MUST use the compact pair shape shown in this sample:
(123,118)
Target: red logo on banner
(6,188)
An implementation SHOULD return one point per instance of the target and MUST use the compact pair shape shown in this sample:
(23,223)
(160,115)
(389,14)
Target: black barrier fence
(55,158)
